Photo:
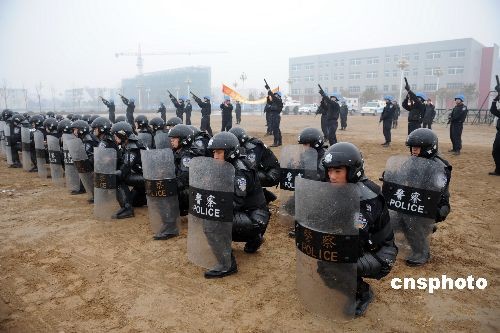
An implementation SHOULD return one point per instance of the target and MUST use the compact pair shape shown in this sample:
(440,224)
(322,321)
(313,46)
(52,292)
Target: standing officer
(111,108)
(456,121)
(414,103)
(430,113)
(267,111)
(496,143)
(179,106)
(397,112)
(130,110)
(206,110)
(386,117)
(187,110)
(344,110)
(237,110)
(332,115)
(163,111)
(276,106)
(227,114)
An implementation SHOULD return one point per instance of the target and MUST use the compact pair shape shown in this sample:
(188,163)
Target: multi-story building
(151,88)
(445,66)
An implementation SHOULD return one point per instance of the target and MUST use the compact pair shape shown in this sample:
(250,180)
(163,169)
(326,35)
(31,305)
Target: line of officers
(256,169)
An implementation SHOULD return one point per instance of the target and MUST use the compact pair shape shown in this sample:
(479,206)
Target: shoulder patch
(185,161)
(242,183)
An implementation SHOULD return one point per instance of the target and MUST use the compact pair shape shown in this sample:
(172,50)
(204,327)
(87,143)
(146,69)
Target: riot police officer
(237,111)
(430,113)
(172,122)
(206,110)
(110,104)
(179,106)
(311,137)
(275,108)
(163,111)
(262,158)
(343,163)
(187,110)
(397,112)
(332,115)
(50,125)
(101,128)
(81,130)
(156,124)
(386,119)
(36,123)
(344,111)
(250,212)
(143,131)
(15,138)
(120,118)
(414,103)
(129,173)
(496,143)
(130,103)
(227,114)
(200,142)
(322,110)
(181,139)
(456,121)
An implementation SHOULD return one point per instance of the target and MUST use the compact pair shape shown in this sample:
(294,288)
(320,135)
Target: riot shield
(146,138)
(2,138)
(162,140)
(105,203)
(211,188)
(295,160)
(82,165)
(412,189)
(161,191)
(26,148)
(327,247)
(70,172)
(41,155)
(55,160)
(8,143)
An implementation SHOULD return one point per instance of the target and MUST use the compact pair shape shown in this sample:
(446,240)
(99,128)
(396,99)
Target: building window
(387,73)
(338,76)
(433,55)
(323,77)
(460,53)
(309,66)
(295,79)
(394,73)
(339,62)
(455,70)
(415,56)
(387,58)
(308,91)
(309,78)
(354,89)
(406,72)
(324,64)
(396,58)
(374,88)
(355,62)
(371,75)
(372,61)
(386,88)
(295,91)
(295,68)
(406,57)
(430,87)
(454,85)
(432,71)
(394,87)
(415,72)
(354,76)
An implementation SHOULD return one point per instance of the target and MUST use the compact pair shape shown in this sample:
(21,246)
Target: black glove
(442,213)
(368,265)
(267,87)
(407,87)
(497,88)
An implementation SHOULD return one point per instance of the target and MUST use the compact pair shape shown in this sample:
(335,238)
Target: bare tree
(5,93)
(471,94)
(38,89)
(368,95)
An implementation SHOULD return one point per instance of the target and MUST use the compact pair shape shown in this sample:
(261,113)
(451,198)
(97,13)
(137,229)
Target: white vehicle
(352,103)
(308,108)
(290,106)
(373,108)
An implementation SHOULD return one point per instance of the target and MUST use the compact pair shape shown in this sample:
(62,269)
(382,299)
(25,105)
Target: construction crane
(140,61)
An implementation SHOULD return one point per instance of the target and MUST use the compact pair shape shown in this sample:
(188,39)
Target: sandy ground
(63,271)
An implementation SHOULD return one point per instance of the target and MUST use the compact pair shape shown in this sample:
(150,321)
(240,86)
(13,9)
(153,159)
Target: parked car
(308,108)
(373,108)
(290,106)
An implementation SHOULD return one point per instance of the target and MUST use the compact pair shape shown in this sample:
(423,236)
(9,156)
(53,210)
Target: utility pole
(53,91)
(402,65)
(38,93)
(188,82)
(243,78)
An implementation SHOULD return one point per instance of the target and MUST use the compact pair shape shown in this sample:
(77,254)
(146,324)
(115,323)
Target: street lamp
(243,77)
(177,92)
(148,90)
(188,82)
(402,65)
(437,73)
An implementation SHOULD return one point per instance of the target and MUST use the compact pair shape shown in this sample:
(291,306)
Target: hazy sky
(69,43)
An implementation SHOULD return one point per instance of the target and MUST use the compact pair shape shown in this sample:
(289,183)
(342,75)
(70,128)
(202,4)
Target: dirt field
(63,271)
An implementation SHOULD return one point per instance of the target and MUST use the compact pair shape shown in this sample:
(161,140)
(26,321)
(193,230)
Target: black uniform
(182,157)
(344,111)
(107,141)
(130,111)
(275,110)
(111,109)
(227,116)
(397,112)
(200,143)
(267,111)
(163,112)
(496,143)
(15,142)
(416,111)
(130,175)
(456,121)
(206,110)
(386,118)
(187,110)
(322,110)
(331,118)
(237,111)
(89,143)
(430,113)
(179,107)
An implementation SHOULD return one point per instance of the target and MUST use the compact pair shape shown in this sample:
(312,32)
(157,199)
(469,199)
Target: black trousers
(238,117)
(427,124)
(413,125)
(268,122)
(188,118)
(456,135)
(343,122)
(227,123)
(496,152)
(387,125)
(275,126)
(332,133)
(205,125)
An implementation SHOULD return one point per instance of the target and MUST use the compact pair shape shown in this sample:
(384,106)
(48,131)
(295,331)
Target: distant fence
(474,117)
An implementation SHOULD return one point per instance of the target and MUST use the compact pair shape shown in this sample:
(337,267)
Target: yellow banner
(237,96)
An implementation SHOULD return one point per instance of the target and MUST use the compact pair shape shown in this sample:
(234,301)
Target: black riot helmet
(92,118)
(50,124)
(120,118)
(77,117)
(348,155)
(196,130)
(82,126)
(123,131)
(103,124)
(424,138)
(184,133)
(173,121)
(157,124)
(59,117)
(17,119)
(311,136)
(240,134)
(86,117)
(7,114)
(64,126)
(37,121)
(142,122)
(50,114)
(70,116)
(227,141)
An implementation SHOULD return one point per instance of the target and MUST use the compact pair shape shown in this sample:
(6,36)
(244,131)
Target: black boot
(212,274)
(124,212)
(253,245)
(364,296)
